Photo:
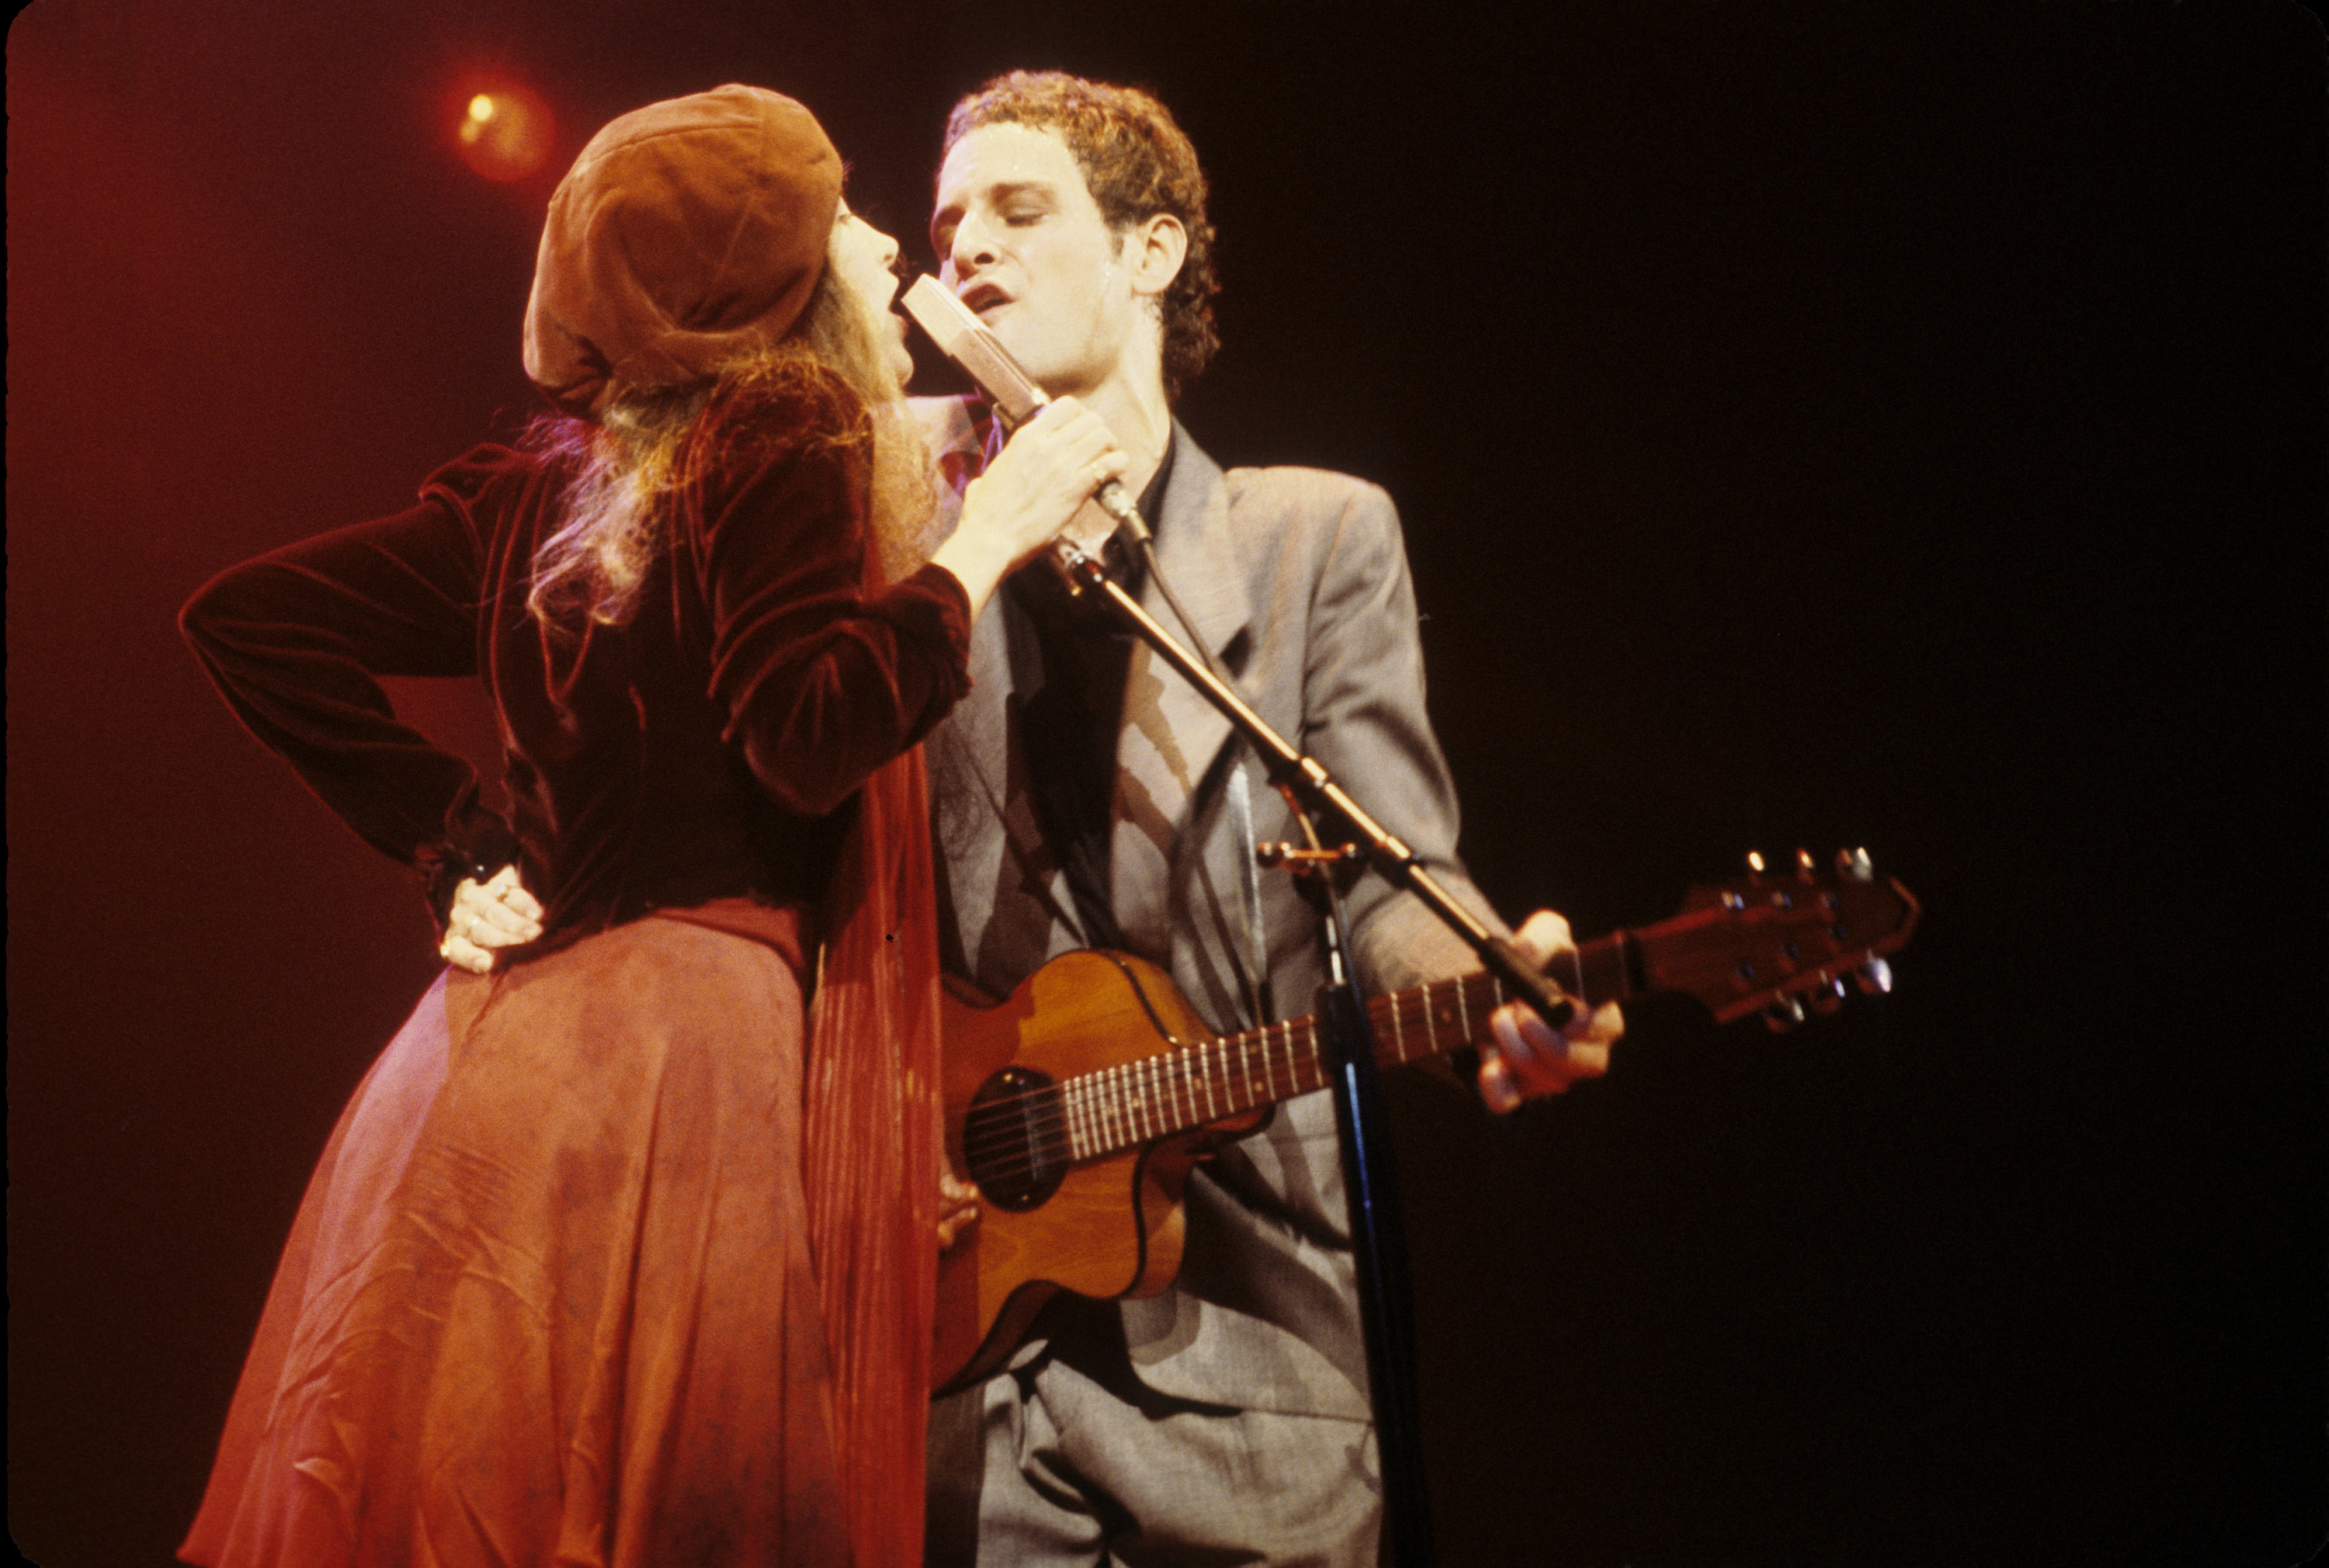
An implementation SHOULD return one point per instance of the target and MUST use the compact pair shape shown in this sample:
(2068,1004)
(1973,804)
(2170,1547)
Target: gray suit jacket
(1298,581)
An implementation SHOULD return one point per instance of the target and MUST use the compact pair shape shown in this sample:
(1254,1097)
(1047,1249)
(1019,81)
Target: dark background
(1812,427)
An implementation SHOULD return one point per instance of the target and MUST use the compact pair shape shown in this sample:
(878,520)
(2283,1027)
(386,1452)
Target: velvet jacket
(636,782)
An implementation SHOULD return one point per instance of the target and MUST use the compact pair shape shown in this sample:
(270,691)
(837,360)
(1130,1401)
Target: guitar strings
(1041,1120)
(1190,1073)
(1178,1090)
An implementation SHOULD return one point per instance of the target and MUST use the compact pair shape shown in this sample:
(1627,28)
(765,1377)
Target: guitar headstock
(1781,939)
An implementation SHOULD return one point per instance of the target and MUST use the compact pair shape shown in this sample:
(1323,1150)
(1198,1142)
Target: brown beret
(688,233)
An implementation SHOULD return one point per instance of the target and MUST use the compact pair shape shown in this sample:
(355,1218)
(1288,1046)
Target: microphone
(965,339)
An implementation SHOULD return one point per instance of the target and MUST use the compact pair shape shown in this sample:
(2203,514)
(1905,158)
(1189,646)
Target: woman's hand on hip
(489,915)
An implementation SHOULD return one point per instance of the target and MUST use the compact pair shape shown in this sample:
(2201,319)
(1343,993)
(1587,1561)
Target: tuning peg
(1755,861)
(1828,998)
(1784,1015)
(1804,863)
(1875,977)
(1855,866)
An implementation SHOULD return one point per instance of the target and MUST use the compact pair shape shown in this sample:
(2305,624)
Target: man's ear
(1155,248)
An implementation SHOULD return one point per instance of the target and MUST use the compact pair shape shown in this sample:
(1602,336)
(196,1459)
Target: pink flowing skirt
(549,1299)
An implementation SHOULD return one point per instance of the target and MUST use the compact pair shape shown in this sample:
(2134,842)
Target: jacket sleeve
(295,640)
(1364,719)
(823,679)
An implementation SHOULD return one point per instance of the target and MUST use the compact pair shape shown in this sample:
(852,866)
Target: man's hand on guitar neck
(1528,1058)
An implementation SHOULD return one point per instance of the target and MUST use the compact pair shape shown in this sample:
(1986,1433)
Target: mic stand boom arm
(1308,780)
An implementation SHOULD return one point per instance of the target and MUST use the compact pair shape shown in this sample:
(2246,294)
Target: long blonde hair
(645,446)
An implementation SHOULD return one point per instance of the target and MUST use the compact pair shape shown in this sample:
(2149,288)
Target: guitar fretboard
(1135,1102)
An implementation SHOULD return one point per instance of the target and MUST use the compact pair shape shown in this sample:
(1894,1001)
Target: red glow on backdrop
(505,133)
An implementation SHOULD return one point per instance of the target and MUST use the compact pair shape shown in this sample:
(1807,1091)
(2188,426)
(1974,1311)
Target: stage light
(504,134)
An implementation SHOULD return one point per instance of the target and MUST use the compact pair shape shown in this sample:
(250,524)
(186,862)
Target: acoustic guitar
(1079,1105)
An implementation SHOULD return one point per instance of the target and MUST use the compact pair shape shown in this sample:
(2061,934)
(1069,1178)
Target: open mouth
(981,297)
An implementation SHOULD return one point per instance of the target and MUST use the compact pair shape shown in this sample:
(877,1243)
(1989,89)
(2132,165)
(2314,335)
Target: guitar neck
(1448,1014)
(1124,1106)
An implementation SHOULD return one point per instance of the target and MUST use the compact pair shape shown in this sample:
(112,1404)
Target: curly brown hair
(1137,163)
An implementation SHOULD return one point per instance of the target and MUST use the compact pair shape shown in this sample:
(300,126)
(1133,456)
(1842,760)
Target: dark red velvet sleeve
(294,640)
(822,679)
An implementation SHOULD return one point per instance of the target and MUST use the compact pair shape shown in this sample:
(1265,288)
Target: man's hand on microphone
(1040,479)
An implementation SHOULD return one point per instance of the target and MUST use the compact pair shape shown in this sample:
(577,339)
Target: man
(1086,797)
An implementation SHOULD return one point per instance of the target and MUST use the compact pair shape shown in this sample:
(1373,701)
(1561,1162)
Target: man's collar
(1152,497)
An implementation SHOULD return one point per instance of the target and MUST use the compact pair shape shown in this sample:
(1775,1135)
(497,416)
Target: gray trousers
(1069,1459)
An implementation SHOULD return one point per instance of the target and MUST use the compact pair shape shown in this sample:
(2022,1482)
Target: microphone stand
(1378,1242)
(1378,1237)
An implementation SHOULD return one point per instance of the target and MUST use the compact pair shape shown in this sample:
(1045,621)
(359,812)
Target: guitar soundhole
(1014,1139)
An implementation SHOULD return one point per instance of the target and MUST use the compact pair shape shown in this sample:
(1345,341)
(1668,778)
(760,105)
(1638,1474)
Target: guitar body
(1113,1225)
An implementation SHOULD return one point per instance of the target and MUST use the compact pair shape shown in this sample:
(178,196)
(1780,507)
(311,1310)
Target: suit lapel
(1169,740)
(986,820)
(1171,735)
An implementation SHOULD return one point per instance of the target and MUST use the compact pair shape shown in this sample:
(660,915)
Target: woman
(621,1254)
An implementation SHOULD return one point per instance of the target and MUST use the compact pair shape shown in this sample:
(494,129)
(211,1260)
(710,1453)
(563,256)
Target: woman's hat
(688,233)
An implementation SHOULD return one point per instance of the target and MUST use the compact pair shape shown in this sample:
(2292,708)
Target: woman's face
(862,257)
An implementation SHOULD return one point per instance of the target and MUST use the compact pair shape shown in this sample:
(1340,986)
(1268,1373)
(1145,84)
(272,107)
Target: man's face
(1020,240)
